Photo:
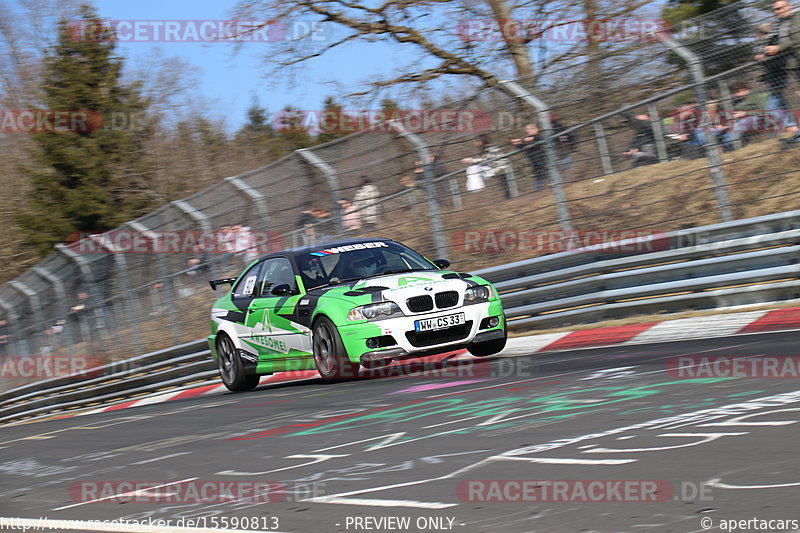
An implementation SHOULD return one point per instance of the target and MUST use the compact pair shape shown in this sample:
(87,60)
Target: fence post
(257,197)
(602,147)
(543,111)
(95,299)
(658,132)
(197,216)
(12,319)
(130,304)
(137,226)
(727,105)
(333,182)
(430,189)
(36,309)
(61,296)
(710,144)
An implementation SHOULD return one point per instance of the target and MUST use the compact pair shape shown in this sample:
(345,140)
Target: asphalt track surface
(402,448)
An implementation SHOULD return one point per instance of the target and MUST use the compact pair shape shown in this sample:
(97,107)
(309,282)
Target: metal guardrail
(736,263)
(741,262)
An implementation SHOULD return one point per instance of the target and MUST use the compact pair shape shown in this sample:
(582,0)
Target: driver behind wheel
(362,264)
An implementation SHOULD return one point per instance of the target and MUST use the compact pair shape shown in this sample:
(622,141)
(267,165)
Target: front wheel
(230,366)
(329,353)
(485,349)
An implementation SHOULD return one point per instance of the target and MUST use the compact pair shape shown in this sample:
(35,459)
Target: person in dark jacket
(785,54)
(642,150)
(533,146)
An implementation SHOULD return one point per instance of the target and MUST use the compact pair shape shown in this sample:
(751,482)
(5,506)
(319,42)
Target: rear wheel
(485,349)
(230,366)
(329,353)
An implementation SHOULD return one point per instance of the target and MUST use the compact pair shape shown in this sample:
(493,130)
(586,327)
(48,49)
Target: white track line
(565,461)
(133,492)
(380,503)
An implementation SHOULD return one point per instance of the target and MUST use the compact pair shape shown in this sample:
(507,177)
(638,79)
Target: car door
(271,316)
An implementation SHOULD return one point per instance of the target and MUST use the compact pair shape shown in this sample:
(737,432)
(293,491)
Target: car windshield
(356,261)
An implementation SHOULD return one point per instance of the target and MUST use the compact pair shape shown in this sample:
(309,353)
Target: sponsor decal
(350,248)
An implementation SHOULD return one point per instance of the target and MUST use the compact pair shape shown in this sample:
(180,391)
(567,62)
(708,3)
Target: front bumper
(412,344)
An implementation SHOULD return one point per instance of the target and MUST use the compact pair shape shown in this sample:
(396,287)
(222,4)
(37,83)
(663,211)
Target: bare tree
(484,40)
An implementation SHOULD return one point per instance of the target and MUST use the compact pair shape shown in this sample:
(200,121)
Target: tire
(485,349)
(329,353)
(230,367)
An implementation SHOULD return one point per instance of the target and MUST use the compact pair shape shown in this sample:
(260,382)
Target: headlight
(372,311)
(480,293)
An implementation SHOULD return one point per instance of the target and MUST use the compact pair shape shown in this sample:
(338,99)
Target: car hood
(398,287)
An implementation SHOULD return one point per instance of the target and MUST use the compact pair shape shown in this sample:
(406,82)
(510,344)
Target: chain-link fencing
(672,131)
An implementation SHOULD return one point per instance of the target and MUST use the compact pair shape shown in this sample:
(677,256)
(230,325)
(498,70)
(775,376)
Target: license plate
(440,322)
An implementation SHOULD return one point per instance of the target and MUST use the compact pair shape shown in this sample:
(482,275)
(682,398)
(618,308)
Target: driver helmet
(363,263)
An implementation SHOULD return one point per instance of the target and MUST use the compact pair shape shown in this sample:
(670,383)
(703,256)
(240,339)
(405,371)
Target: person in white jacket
(486,165)
(366,202)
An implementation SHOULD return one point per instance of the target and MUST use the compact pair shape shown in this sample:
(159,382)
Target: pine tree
(88,179)
(292,129)
(334,123)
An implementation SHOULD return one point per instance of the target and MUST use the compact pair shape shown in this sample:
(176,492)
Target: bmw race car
(351,303)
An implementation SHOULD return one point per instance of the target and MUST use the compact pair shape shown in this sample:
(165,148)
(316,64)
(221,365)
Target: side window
(246,286)
(277,271)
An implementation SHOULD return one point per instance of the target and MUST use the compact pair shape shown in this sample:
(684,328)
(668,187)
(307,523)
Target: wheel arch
(229,329)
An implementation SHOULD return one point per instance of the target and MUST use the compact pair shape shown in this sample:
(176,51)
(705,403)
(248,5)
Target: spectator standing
(366,202)
(410,198)
(323,223)
(225,240)
(351,219)
(305,223)
(533,145)
(244,245)
(78,317)
(774,75)
(440,187)
(785,53)
(565,145)
(490,162)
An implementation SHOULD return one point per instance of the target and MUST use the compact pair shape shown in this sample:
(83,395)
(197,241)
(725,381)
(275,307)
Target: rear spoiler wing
(223,281)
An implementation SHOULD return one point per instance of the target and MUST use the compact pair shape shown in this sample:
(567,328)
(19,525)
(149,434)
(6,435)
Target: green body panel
(270,328)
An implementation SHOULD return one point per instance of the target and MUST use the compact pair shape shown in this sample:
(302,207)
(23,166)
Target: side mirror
(226,281)
(282,290)
(442,263)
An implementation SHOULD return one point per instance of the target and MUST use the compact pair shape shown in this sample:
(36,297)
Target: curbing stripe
(599,337)
(697,328)
(774,320)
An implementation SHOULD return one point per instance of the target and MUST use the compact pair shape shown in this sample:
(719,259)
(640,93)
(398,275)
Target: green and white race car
(338,306)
